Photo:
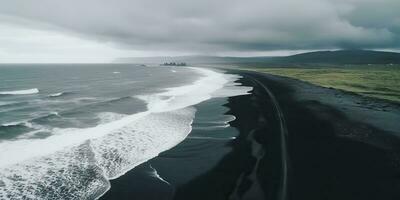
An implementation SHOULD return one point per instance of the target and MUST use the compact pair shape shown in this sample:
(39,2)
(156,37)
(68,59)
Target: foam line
(20,92)
(56,94)
(155,174)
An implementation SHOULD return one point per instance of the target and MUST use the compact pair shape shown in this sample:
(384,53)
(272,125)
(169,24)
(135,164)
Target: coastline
(84,159)
(337,150)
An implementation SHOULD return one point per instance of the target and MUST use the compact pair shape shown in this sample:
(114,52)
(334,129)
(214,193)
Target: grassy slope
(383,83)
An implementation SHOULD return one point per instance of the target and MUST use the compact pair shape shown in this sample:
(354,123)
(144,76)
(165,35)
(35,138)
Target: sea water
(66,130)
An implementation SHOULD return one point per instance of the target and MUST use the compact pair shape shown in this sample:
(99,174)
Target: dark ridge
(317,57)
(344,57)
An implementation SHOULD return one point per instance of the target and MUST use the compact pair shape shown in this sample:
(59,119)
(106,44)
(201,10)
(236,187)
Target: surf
(56,94)
(20,92)
(107,150)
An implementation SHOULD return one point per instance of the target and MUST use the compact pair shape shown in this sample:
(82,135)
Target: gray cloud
(218,25)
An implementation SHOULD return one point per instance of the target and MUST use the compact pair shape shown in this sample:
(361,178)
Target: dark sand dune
(295,141)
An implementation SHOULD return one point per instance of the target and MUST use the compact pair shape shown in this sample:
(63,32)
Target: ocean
(66,130)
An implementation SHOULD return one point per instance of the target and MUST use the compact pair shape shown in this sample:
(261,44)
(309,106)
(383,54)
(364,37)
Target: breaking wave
(77,163)
(56,94)
(20,92)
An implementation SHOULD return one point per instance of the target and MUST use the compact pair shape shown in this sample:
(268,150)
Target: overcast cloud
(214,26)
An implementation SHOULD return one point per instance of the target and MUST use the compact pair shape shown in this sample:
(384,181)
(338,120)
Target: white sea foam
(155,174)
(54,113)
(24,123)
(106,117)
(212,127)
(11,124)
(28,122)
(56,94)
(19,92)
(37,128)
(220,122)
(179,97)
(232,88)
(77,163)
(116,72)
(225,119)
(210,138)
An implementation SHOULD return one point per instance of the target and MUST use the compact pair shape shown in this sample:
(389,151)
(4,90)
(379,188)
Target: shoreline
(336,148)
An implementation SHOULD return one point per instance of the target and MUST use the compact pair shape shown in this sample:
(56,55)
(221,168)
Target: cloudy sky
(101,30)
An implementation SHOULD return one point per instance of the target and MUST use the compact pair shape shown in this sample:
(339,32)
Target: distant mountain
(318,57)
(193,60)
(181,59)
(343,57)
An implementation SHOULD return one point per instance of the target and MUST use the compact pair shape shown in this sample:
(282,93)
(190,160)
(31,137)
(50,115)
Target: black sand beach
(292,140)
